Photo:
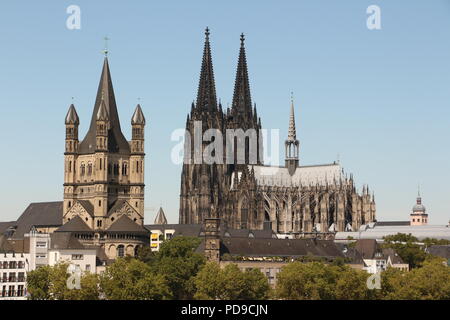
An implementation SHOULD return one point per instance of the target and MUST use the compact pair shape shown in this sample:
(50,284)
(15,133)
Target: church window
(120,250)
(83,169)
(109,168)
(99,203)
(124,169)
(89,169)
(101,161)
(69,204)
(99,223)
(70,166)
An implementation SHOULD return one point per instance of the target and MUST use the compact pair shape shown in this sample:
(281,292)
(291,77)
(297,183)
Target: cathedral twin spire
(206,95)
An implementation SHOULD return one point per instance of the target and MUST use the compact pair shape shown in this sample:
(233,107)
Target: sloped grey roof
(64,240)
(350,253)
(72,116)
(88,206)
(252,247)
(392,223)
(390,253)
(138,116)
(14,245)
(125,224)
(116,141)
(442,251)
(5,225)
(367,248)
(160,217)
(74,225)
(39,214)
(378,232)
(196,230)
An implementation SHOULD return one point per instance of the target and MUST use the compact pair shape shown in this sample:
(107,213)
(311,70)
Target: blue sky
(380,99)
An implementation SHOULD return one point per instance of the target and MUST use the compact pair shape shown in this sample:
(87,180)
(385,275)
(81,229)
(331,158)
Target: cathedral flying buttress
(292,199)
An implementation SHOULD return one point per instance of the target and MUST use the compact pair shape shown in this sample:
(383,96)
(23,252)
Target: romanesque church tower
(104,174)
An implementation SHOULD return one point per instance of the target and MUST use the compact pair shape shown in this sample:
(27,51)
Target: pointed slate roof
(160,217)
(39,214)
(102,114)
(65,240)
(138,116)
(74,225)
(72,116)
(206,95)
(242,101)
(116,141)
(125,224)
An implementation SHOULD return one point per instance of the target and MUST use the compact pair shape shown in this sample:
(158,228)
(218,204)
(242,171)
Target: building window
(21,277)
(12,277)
(120,251)
(88,267)
(21,264)
(41,256)
(11,291)
(12,264)
(77,257)
(41,244)
(5,265)
(20,291)
(99,223)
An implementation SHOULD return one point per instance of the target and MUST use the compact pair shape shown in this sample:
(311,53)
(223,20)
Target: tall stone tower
(203,184)
(104,173)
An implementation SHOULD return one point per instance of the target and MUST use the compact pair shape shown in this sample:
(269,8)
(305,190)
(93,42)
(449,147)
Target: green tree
(407,248)
(131,279)
(38,283)
(179,263)
(50,283)
(230,283)
(319,281)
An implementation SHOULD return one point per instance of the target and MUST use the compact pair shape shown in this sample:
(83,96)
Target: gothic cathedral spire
(242,101)
(206,95)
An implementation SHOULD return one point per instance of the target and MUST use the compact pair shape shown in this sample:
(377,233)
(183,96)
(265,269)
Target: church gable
(123,208)
(80,209)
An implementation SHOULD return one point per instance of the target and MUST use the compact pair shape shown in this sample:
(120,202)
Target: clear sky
(378,98)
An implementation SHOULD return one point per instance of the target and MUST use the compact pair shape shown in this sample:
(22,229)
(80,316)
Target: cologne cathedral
(293,199)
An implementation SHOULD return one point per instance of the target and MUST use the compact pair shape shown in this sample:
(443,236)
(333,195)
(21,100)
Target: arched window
(83,169)
(120,250)
(89,168)
(124,169)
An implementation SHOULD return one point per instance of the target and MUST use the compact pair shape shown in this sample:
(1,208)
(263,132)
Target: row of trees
(178,272)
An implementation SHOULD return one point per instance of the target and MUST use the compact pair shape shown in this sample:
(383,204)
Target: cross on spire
(105,50)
